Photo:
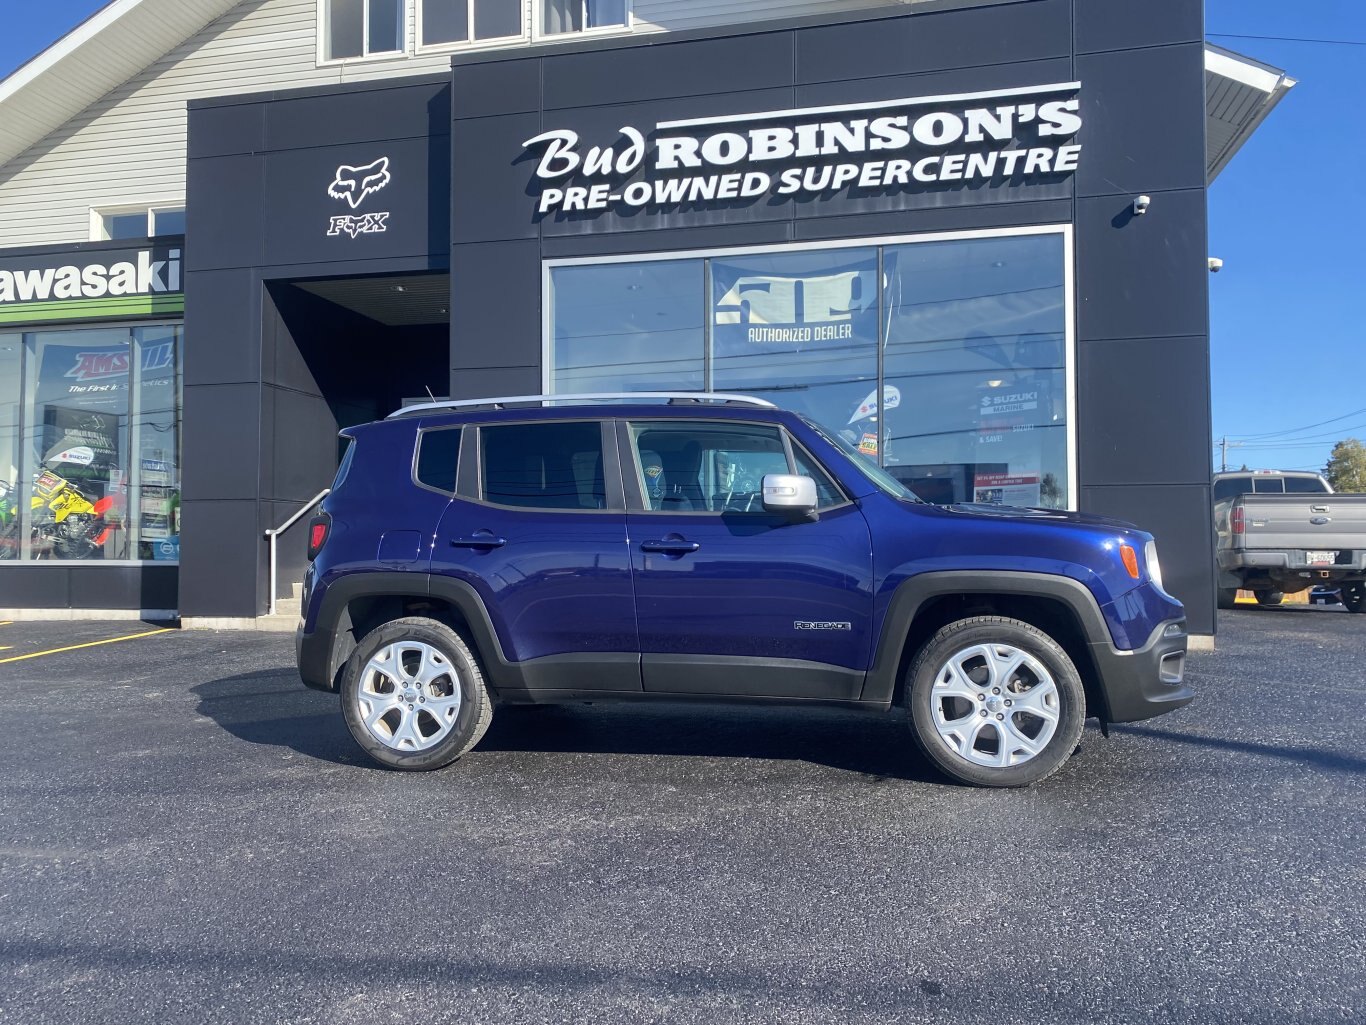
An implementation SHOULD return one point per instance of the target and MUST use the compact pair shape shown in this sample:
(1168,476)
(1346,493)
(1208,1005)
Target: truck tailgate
(1318,522)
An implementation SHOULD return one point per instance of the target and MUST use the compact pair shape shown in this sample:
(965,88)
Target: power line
(1290,39)
(1298,430)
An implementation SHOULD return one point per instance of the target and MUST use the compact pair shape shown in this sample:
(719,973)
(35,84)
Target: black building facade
(918,226)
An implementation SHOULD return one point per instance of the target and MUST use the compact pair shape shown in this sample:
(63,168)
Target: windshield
(884,480)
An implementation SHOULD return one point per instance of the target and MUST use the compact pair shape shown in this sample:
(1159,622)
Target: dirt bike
(66,524)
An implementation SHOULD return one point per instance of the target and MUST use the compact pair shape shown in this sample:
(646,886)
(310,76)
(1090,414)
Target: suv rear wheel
(413,695)
(995,702)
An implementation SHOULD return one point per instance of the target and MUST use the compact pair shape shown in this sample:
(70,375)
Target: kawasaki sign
(91,285)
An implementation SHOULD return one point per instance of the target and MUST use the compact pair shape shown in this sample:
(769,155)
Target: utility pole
(1225,445)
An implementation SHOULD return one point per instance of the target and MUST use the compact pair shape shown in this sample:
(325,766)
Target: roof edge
(45,60)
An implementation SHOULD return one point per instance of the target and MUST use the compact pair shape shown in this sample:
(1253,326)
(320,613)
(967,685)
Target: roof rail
(673,398)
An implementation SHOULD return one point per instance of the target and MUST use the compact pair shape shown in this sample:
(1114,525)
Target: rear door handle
(483,539)
(670,547)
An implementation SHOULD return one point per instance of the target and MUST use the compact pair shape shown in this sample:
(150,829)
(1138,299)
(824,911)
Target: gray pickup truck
(1283,532)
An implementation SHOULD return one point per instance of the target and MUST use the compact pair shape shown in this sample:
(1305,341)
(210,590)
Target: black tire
(1354,597)
(932,662)
(470,717)
(1270,597)
(1228,597)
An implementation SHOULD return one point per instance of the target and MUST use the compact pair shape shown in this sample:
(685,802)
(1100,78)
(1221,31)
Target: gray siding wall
(128,149)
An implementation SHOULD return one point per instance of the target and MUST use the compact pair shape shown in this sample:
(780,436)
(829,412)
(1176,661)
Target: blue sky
(1287,217)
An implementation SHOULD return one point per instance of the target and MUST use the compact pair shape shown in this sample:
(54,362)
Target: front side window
(715,467)
(543,466)
(362,28)
(561,16)
(463,21)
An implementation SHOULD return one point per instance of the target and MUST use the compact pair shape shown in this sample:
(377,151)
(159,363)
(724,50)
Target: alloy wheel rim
(409,697)
(994,705)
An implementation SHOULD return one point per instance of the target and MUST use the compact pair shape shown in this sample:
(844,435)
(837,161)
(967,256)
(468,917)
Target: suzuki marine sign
(902,145)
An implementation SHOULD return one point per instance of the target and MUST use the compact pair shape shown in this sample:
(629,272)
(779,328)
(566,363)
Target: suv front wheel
(995,702)
(414,696)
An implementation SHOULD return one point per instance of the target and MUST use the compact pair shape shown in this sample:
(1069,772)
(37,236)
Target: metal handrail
(274,536)
(679,396)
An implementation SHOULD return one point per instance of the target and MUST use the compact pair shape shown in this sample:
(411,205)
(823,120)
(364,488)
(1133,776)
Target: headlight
(1154,566)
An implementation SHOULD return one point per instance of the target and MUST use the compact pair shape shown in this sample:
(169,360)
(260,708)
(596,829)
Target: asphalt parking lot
(190,836)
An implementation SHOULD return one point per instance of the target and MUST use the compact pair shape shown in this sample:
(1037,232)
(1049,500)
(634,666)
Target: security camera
(1141,204)
(1215,265)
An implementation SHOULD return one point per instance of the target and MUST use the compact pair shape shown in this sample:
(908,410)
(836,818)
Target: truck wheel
(995,702)
(1228,597)
(1270,597)
(1354,597)
(413,695)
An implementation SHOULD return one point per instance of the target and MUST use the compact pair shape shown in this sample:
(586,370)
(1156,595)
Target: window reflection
(799,329)
(971,400)
(976,349)
(628,327)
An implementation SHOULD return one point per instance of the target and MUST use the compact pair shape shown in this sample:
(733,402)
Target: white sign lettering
(896,145)
(142,275)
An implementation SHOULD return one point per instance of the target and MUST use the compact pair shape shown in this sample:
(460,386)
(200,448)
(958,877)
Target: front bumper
(1148,681)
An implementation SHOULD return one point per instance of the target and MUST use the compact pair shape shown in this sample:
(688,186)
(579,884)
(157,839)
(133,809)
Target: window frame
(417,481)
(634,482)
(322,24)
(98,214)
(539,35)
(469,480)
(1066,231)
(422,49)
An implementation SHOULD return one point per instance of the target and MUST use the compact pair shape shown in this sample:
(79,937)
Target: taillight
(318,529)
(1236,520)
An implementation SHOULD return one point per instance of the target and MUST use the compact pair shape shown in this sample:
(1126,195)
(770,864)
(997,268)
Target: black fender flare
(323,652)
(916,591)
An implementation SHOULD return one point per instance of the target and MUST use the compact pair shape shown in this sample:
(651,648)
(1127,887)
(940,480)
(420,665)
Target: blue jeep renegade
(705,547)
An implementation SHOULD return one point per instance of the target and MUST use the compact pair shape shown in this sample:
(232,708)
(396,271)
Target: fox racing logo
(353,184)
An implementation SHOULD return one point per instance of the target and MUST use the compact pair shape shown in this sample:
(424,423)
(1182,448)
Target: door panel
(740,601)
(553,570)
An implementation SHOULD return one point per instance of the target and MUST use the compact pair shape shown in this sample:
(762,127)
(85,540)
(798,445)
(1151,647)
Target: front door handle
(483,540)
(679,547)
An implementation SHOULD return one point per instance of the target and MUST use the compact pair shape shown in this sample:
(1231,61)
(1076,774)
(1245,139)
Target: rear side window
(543,466)
(438,453)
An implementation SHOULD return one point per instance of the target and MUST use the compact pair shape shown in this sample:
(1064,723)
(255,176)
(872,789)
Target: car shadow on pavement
(1319,759)
(272,708)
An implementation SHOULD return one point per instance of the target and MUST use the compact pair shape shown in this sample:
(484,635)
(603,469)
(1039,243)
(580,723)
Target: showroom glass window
(942,359)
(629,327)
(92,447)
(976,350)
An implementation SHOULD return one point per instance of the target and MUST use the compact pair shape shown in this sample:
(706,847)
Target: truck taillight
(1236,520)
(318,529)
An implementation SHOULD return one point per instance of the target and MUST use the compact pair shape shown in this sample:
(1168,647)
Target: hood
(1023,514)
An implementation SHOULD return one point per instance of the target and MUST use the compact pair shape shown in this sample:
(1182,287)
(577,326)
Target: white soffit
(1239,93)
(117,42)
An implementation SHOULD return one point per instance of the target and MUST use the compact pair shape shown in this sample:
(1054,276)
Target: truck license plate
(1321,558)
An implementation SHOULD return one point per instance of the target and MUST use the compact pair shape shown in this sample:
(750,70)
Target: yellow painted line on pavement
(88,644)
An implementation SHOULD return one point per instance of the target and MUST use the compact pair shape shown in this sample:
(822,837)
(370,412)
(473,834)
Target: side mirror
(790,494)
